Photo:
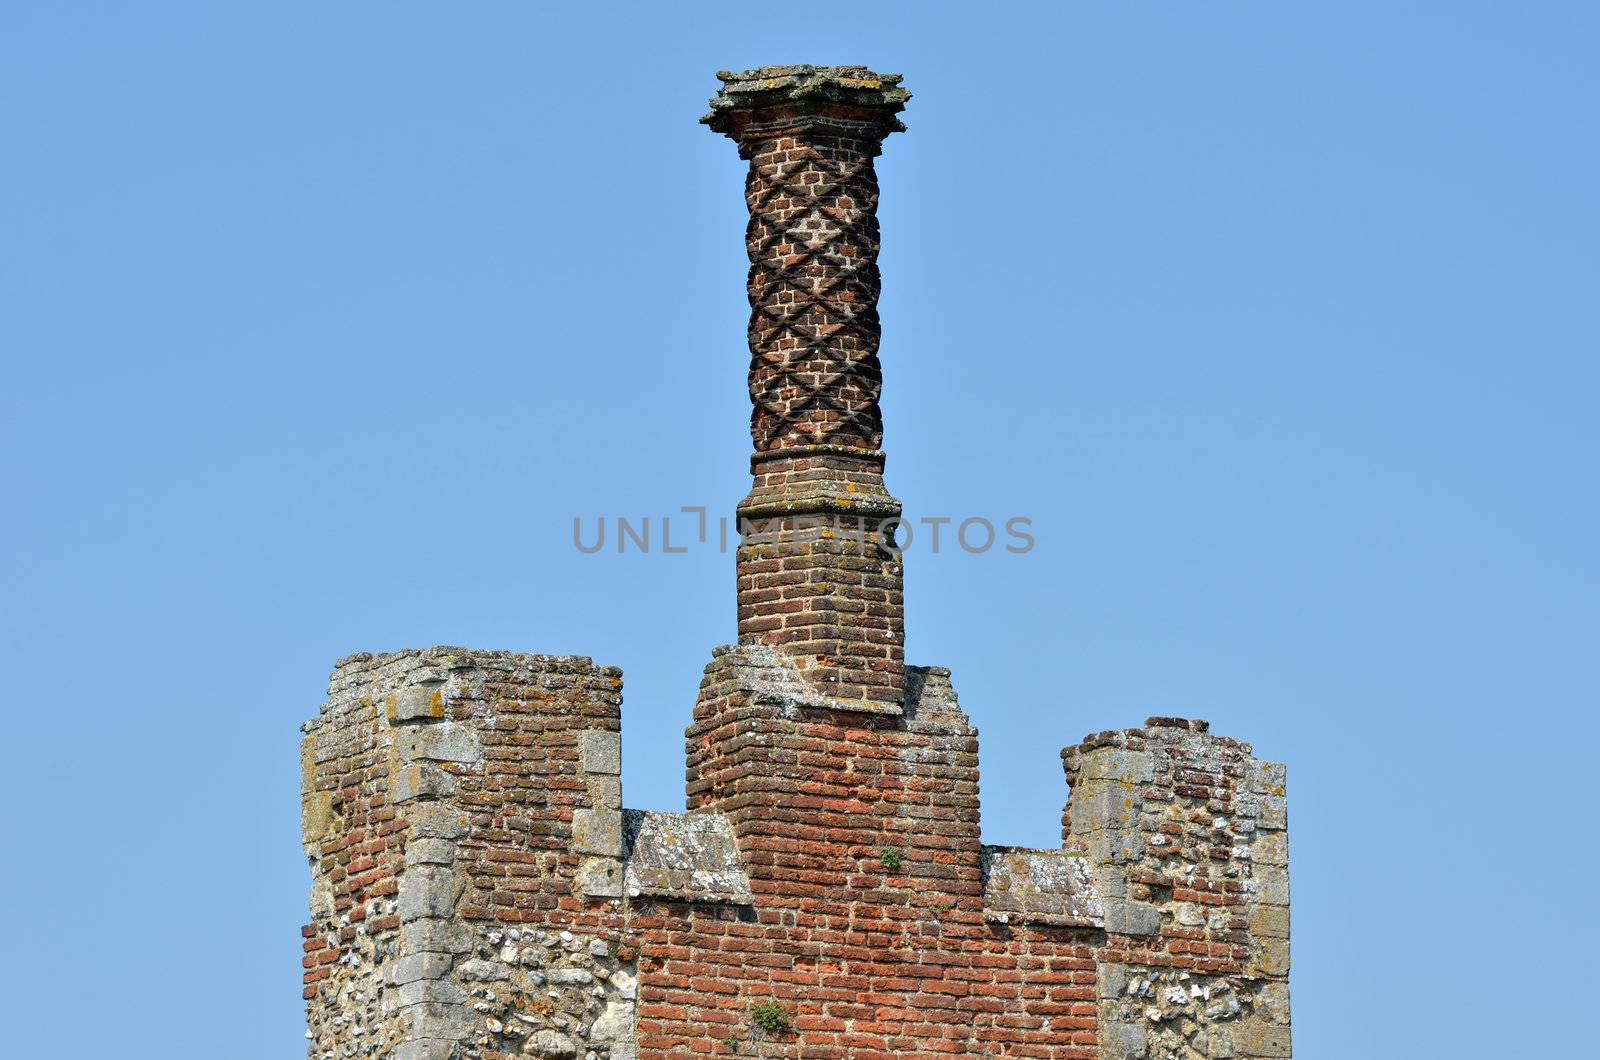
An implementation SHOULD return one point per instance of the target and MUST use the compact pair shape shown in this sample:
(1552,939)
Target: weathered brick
(477,886)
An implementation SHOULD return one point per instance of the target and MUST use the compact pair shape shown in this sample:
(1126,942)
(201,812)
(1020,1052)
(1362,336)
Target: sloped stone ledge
(1052,887)
(685,857)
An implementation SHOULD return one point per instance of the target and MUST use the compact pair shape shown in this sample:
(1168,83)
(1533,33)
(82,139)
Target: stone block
(684,856)
(1270,778)
(430,852)
(1123,1041)
(1270,848)
(425,1049)
(1270,921)
(605,792)
(600,751)
(428,891)
(420,702)
(1127,917)
(1256,1039)
(1114,847)
(1111,764)
(1269,885)
(439,822)
(430,991)
(1111,980)
(1039,886)
(434,936)
(419,966)
(600,878)
(435,1020)
(1110,881)
(420,780)
(597,832)
(1272,1002)
(446,741)
(1103,804)
(1268,956)
(317,817)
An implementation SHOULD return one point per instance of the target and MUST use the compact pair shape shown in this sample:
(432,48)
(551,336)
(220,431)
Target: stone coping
(1052,887)
(684,857)
(855,87)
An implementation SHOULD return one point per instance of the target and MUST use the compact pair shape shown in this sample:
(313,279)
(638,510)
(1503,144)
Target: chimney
(816,579)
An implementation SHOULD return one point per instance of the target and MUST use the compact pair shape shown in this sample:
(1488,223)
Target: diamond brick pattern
(813,243)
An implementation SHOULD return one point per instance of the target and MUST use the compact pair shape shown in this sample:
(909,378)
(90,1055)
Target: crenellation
(480,892)
(1193,871)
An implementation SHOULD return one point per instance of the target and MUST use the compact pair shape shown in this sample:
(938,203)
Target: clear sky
(322,321)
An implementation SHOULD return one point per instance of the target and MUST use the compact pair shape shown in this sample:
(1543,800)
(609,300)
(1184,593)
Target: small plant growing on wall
(771,1018)
(889,858)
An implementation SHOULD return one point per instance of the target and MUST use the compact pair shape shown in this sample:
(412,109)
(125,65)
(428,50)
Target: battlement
(480,892)
(479,889)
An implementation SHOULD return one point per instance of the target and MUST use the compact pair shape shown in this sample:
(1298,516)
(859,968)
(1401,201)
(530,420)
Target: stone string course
(480,892)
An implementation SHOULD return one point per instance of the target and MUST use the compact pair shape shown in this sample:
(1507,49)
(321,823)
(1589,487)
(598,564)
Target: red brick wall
(872,960)
(455,799)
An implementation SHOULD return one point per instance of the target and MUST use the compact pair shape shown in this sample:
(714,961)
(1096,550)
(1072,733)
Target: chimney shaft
(815,578)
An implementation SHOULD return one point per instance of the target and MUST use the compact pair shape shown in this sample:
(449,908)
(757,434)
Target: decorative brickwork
(480,893)
(833,600)
(810,135)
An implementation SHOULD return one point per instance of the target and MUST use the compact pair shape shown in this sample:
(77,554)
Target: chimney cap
(805,86)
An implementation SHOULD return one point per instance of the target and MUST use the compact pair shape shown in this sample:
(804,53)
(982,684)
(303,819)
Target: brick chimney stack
(815,578)
(479,891)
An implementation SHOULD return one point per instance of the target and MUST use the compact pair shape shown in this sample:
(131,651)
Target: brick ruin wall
(444,800)
(479,891)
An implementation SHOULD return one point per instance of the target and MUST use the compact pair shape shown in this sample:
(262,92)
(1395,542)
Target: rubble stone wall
(452,801)
(1186,835)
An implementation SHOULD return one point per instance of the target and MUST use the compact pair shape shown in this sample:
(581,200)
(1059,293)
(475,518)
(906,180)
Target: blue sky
(321,322)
